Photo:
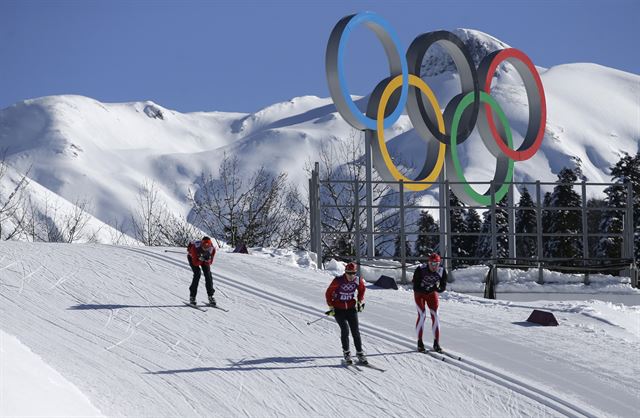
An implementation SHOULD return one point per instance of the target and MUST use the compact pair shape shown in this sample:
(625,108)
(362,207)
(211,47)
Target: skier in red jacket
(344,305)
(200,256)
(428,280)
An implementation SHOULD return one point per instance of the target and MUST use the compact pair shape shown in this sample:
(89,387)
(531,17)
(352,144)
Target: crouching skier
(200,256)
(344,306)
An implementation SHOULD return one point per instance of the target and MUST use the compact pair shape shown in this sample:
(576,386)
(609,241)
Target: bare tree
(153,224)
(177,231)
(262,210)
(149,215)
(46,222)
(117,233)
(74,223)
(13,216)
(341,162)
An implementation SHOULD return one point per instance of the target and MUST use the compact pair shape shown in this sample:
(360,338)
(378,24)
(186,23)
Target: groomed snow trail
(112,321)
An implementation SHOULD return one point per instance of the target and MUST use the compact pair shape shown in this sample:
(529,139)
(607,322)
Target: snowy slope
(112,322)
(78,147)
(57,209)
(23,374)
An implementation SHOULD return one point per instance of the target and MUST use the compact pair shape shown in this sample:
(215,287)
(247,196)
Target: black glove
(331,311)
(442,288)
(360,306)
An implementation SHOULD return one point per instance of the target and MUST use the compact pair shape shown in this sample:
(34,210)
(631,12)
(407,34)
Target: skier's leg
(420,302)
(352,319)
(193,289)
(341,319)
(208,280)
(433,303)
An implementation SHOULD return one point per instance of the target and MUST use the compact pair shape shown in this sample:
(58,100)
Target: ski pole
(173,251)
(316,320)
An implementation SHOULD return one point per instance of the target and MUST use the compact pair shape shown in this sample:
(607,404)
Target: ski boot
(347,357)
(362,359)
(212,300)
(436,346)
(421,346)
(192,300)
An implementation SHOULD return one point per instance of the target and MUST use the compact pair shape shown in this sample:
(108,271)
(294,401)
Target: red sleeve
(361,290)
(191,249)
(331,290)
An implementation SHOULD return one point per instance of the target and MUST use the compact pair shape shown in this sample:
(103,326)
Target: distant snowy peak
(479,44)
(267,116)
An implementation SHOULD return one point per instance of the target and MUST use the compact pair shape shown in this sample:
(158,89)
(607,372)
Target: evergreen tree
(458,225)
(484,251)
(564,220)
(344,246)
(473,225)
(425,244)
(397,246)
(525,223)
(594,221)
(626,170)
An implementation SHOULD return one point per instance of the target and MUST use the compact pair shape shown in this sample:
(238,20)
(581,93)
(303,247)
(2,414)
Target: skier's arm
(331,290)
(213,254)
(361,290)
(417,276)
(191,250)
(443,282)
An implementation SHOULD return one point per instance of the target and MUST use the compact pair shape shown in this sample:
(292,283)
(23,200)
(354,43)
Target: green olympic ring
(504,169)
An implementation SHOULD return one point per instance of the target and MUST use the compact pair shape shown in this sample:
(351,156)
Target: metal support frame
(369,188)
(494,227)
(445,233)
(448,253)
(403,252)
(539,231)
(356,215)
(318,220)
(629,236)
(511,222)
(444,205)
(585,231)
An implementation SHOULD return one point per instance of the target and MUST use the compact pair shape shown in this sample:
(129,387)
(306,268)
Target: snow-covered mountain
(479,45)
(79,148)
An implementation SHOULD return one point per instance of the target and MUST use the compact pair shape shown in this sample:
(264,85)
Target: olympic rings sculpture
(473,107)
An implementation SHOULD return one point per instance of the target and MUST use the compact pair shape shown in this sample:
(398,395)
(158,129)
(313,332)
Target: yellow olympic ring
(426,182)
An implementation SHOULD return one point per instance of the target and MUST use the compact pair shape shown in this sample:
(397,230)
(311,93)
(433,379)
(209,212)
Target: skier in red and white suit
(344,305)
(428,280)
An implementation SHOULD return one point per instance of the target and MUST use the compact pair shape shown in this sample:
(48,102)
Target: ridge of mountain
(78,147)
(479,44)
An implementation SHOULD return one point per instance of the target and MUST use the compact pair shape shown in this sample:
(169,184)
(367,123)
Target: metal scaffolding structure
(364,239)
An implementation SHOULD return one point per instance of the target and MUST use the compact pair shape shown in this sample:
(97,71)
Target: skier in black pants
(344,306)
(200,255)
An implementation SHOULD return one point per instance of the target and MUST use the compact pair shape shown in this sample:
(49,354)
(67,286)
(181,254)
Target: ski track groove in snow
(498,379)
(562,406)
(604,359)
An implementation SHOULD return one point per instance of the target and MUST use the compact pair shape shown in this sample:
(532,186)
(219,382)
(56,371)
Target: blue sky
(245,55)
